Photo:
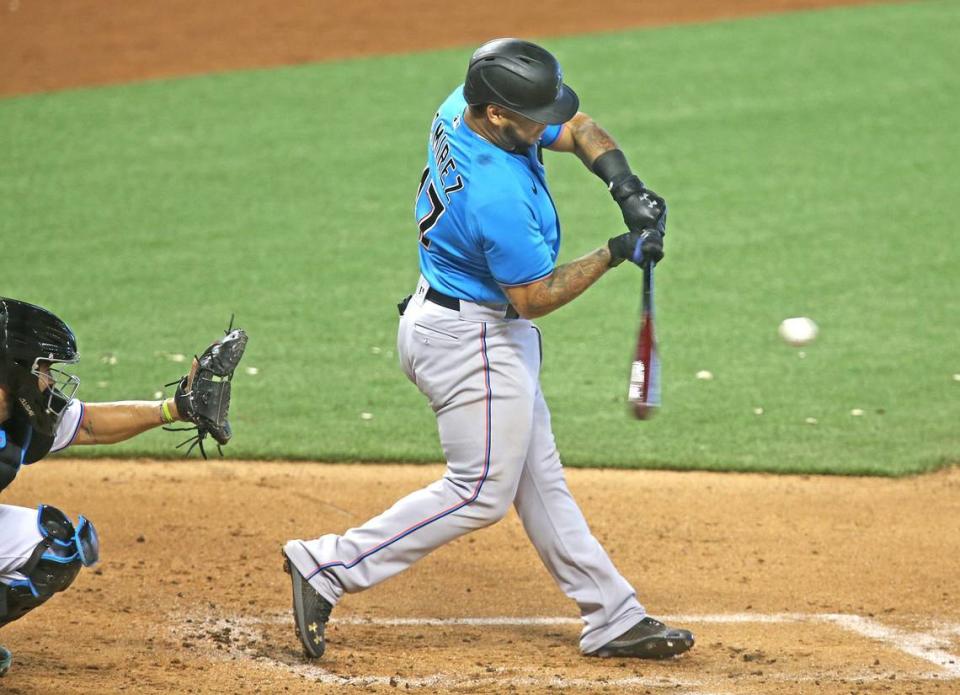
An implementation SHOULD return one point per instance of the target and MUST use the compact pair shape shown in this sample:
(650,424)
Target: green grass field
(810,163)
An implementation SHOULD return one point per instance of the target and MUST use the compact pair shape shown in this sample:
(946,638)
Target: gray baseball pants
(480,372)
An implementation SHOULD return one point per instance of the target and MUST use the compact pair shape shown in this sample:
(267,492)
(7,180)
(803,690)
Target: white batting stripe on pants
(480,373)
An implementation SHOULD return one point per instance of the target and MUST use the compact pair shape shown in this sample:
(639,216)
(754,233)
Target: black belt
(448,302)
(444,300)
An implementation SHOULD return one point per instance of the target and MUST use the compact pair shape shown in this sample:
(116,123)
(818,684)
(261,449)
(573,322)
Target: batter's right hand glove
(638,247)
(203,395)
(641,207)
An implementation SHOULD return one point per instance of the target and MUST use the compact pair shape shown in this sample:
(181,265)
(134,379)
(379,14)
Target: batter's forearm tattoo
(568,282)
(591,140)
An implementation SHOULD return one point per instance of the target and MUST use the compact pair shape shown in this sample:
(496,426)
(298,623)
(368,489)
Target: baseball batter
(41,549)
(489,238)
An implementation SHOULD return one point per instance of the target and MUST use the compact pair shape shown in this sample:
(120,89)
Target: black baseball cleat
(6,658)
(648,639)
(310,612)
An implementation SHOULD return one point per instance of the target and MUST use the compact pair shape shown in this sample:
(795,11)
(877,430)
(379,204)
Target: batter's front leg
(559,532)
(484,404)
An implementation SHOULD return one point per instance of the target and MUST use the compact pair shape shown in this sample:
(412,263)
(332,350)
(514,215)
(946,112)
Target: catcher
(42,549)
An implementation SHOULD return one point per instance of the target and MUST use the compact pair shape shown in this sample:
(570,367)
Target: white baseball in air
(798,331)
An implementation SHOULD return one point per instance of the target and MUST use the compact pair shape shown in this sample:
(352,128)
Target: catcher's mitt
(203,395)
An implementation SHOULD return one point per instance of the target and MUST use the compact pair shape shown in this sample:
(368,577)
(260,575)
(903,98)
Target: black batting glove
(641,207)
(644,212)
(637,247)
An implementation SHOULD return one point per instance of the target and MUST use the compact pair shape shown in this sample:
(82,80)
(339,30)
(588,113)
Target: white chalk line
(511,621)
(924,646)
(245,628)
(917,644)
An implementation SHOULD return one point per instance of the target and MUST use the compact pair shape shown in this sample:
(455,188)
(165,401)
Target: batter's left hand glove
(203,395)
(638,247)
(641,207)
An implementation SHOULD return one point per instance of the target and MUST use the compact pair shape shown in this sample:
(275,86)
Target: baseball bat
(644,390)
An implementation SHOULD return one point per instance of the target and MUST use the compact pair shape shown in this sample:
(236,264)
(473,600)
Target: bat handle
(648,286)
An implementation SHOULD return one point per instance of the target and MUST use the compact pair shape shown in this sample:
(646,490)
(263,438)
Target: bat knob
(643,411)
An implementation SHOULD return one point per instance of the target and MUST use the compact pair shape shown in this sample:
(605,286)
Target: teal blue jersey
(485,216)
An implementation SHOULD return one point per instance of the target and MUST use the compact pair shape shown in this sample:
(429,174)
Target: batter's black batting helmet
(31,337)
(522,77)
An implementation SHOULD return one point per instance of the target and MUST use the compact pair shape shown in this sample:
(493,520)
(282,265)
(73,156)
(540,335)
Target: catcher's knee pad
(53,566)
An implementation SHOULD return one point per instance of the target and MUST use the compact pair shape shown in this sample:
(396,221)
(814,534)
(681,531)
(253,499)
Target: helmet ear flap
(26,391)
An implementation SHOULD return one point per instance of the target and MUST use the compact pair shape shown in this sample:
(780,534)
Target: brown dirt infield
(190,596)
(55,45)
(791,584)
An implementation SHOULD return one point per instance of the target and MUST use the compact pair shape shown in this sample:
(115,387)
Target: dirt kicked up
(790,584)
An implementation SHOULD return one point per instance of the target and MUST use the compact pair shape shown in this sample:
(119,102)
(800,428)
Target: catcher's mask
(522,77)
(33,341)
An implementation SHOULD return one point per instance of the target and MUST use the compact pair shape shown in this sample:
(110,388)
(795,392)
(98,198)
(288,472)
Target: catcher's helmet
(522,77)
(31,337)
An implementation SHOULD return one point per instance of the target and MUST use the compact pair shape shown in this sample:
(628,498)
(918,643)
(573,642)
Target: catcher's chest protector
(19,444)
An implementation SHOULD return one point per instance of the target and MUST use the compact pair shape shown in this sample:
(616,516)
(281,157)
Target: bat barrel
(644,388)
